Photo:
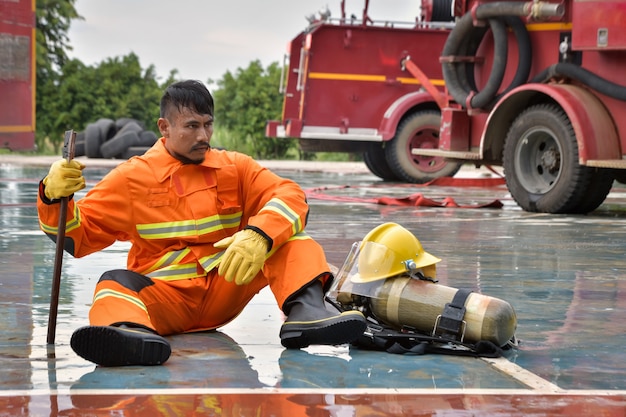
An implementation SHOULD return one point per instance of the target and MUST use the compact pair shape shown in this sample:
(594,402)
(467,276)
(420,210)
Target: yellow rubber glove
(64,179)
(244,256)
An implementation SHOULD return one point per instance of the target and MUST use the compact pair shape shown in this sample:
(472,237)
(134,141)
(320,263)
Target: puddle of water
(564,276)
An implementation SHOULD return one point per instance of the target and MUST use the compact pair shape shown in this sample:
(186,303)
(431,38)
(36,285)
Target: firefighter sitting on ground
(209,229)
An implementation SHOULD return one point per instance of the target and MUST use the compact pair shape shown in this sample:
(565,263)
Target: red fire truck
(346,89)
(17,74)
(533,86)
(538,88)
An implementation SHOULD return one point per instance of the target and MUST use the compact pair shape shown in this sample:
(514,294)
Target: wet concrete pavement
(565,276)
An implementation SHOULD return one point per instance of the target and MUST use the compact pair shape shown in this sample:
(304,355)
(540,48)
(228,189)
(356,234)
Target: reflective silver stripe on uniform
(112,293)
(189,270)
(168,269)
(298,236)
(167,229)
(211,261)
(210,225)
(278,206)
(182,228)
(69,226)
(168,259)
(175,272)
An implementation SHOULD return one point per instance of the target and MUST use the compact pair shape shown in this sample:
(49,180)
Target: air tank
(405,301)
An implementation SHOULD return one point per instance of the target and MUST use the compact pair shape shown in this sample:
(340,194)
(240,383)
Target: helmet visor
(364,271)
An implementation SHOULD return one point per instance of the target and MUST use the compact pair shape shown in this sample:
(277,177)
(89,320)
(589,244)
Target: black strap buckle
(450,322)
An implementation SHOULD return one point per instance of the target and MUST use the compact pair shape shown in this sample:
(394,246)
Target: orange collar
(165,165)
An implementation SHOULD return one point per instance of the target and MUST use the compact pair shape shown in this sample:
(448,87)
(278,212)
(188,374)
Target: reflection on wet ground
(565,276)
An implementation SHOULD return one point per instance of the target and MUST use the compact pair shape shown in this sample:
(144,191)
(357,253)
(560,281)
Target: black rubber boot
(120,346)
(309,322)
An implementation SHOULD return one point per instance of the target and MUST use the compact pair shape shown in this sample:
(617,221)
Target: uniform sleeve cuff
(270,241)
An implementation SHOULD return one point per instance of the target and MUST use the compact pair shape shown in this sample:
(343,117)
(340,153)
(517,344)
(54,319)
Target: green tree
(53,19)
(115,88)
(70,94)
(244,101)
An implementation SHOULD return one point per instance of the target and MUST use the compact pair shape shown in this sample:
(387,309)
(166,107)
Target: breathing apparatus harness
(447,336)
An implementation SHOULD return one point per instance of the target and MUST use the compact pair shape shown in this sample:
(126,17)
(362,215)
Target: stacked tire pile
(119,139)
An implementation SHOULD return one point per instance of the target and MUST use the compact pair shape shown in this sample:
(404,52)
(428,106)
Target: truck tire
(127,136)
(96,134)
(376,162)
(147,138)
(79,145)
(129,126)
(122,121)
(93,140)
(107,128)
(418,130)
(134,151)
(116,146)
(541,165)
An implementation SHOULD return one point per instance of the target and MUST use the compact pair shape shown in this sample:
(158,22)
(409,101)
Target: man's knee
(128,279)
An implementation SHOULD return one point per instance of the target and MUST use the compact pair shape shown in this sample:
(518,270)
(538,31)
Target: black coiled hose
(465,39)
(584,76)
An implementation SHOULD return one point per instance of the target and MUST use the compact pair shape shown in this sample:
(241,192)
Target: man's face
(187,134)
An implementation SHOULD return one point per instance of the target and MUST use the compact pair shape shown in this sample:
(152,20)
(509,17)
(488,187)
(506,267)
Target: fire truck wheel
(541,165)
(376,162)
(418,130)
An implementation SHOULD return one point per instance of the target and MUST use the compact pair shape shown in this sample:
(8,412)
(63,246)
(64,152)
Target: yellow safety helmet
(389,250)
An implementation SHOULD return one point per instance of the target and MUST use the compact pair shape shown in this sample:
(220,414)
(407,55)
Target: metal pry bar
(68,153)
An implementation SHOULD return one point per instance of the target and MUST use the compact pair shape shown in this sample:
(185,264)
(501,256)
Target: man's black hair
(190,94)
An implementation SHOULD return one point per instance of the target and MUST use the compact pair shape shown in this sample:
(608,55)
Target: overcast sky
(203,39)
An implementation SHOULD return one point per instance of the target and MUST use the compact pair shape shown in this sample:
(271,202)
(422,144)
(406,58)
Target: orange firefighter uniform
(173,213)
